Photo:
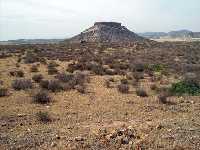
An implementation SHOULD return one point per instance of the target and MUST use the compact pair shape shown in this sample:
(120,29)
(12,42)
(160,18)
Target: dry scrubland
(100,96)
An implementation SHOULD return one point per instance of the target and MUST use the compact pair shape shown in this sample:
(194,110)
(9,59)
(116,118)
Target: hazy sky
(65,18)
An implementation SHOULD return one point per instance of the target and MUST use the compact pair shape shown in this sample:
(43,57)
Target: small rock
(159,126)
(29,130)
(21,115)
(53,144)
(125,140)
(79,138)
(3,124)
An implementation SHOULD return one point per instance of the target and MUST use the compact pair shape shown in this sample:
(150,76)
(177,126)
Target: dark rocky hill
(111,32)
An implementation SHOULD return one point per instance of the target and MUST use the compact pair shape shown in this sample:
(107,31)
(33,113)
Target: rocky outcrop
(111,32)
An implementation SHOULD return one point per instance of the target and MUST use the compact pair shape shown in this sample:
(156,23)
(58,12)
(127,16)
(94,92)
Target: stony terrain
(100,96)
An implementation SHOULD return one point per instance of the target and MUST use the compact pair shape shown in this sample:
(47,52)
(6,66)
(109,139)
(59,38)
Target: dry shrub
(17,73)
(42,97)
(141,92)
(34,68)
(22,84)
(81,89)
(123,88)
(52,70)
(154,87)
(52,85)
(37,78)
(43,117)
(31,57)
(44,84)
(3,92)
(52,64)
(124,81)
(65,77)
(163,98)
(138,76)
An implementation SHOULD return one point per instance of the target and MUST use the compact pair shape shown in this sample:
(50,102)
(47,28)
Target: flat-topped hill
(111,32)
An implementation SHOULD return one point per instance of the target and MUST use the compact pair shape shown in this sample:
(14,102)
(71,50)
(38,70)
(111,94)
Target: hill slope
(110,32)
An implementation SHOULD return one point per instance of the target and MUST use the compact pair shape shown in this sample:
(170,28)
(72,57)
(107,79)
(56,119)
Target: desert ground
(100,96)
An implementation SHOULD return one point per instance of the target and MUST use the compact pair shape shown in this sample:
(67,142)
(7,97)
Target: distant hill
(110,32)
(171,34)
(30,41)
(180,34)
(153,35)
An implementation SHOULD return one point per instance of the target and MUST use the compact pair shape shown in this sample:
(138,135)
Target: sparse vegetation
(65,77)
(3,92)
(52,70)
(37,78)
(17,73)
(42,97)
(123,88)
(141,92)
(43,117)
(54,86)
(34,68)
(31,57)
(185,87)
(22,84)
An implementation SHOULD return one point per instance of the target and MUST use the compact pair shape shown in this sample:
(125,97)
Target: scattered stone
(125,140)
(79,138)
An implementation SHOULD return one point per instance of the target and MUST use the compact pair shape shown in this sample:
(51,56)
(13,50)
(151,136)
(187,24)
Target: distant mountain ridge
(30,41)
(171,34)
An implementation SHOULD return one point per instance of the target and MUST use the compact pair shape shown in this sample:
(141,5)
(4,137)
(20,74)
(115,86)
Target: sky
(35,19)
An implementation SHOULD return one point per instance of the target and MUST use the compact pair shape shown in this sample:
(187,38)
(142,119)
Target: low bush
(123,88)
(44,84)
(43,117)
(17,73)
(52,64)
(138,76)
(3,92)
(37,78)
(42,97)
(185,87)
(34,68)
(124,81)
(31,57)
(81,89)
(22,84)
(141,92)
(54,86)
(65,77)
(157,67)
(163,98)
(52,70)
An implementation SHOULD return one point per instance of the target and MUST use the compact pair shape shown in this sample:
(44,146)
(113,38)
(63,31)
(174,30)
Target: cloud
(62,18)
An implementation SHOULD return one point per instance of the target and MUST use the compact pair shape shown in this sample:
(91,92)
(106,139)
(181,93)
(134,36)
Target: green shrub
(184,87)
(157,67)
